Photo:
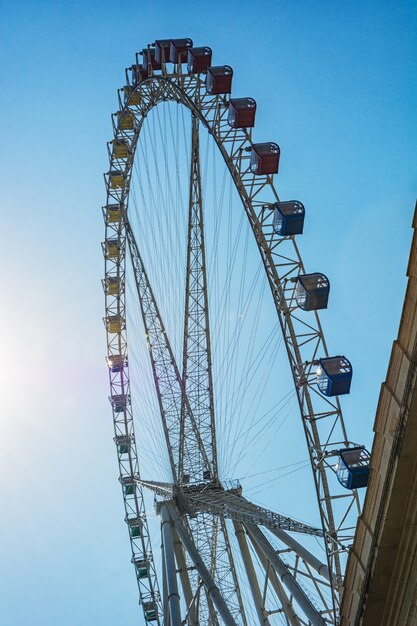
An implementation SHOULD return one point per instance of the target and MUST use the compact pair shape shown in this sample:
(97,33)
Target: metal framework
(195,507)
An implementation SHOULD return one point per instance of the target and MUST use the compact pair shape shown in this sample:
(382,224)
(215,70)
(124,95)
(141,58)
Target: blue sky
(335,88)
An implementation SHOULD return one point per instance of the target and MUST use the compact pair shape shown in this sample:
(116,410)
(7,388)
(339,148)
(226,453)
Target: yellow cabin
(112,248)
(113,213)
(114,323)
(112,284)
(126,120)
(116,179)
(133,96)
(121,148)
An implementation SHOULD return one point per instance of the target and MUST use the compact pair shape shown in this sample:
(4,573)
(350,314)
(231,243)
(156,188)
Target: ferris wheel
(200,295)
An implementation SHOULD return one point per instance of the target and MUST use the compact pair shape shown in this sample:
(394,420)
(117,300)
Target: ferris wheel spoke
(197,367)
(168,382)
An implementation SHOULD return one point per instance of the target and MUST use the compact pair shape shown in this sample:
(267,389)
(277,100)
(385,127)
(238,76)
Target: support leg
(171,573)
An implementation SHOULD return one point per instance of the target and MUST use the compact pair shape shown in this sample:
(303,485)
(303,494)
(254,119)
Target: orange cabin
(198,59)
(219,79)
(242,113)
(264,158)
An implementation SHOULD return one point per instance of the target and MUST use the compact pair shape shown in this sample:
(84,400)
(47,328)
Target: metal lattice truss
(197,511)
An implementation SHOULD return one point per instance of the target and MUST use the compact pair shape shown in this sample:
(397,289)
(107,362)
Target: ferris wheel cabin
(264,158)
(353,467)
(114,323)
(130,94)
(116,179)
(135,526)
(312,291)
(119,402)
(178,51)
(111,248)
(142,567)
(116,363)
(162,48)
(334,376)
(128,485)
(149,59)
(121,147)
(123,443)
(219,80)
(241,113)
(139,73)
(288,218)
(125,120)
(112,213)
(198,60)
(111,285)
(150,610)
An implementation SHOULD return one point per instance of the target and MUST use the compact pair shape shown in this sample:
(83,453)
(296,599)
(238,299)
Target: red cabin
(264,158)
(198,59)
(149,59)
(178,50)
(242,113)
(139,73)
(162,47)
(219,79)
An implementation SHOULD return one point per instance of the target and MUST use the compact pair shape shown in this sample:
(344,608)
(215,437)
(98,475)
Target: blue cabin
(312,291)
(288,218)
(353,467)
(334,376)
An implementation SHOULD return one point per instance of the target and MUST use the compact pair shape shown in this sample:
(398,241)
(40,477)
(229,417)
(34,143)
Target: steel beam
(305,554)
(212,589)
(171,572)
(185,579)
(228,504)
(251,574)
(286,577)
(276,584)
